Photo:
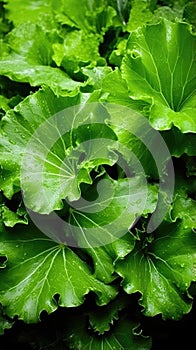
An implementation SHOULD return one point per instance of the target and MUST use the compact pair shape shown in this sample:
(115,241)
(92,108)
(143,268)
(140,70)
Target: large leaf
(63,148)
(18,127)
(37,270)
(159,68)
(162,270)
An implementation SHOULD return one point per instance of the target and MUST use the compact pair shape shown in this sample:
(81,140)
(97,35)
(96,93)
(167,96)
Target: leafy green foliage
(82,176)
(162,73)
(162,270)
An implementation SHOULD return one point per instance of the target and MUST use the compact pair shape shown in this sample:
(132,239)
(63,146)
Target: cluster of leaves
(55,55)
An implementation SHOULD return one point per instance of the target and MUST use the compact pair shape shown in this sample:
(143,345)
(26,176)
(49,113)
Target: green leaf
(162,270)
(28,59)
(190,166)
(37,270)
(12,213)
(140,15)
(115,90)
(189,12)
(118,53)
(104,317)
(80,45)
(11,218)
(119,337)
(103,257)
(18,127)
(109,218)
(5,322)
(39,12)
(179,143)
(62,160)
(173,14)
(159,67)
(69,54)
(184,207)
(4,103)
(91,16)
(96,75)
(101,226)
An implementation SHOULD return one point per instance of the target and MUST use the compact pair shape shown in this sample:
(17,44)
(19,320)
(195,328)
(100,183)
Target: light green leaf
(39,269)
(170,13)
(15,214)
(29,58)
(4,103)
(18,127)
(39,12)
(118,53)
(11,218)
(51,150)
(71,57)
(162,270)
(159,67)
(115,90)
(90,16)
(140,15)
(96,75)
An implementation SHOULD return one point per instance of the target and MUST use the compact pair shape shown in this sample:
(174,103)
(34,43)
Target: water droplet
(12,142)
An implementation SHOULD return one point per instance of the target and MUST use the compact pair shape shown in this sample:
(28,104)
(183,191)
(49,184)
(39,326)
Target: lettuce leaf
(121,335)
(162,270)
(20,61)
(30,282)
(159,68)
